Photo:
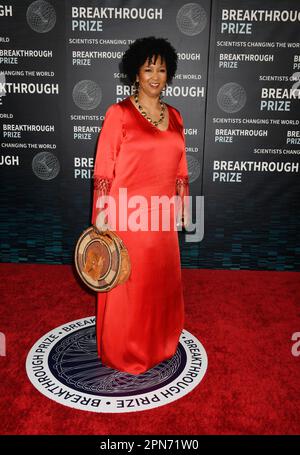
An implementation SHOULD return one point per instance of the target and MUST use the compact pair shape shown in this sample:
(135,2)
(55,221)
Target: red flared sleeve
(182,183)
(108,147)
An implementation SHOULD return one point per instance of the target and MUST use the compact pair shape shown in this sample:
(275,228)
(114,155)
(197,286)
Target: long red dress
(139,322)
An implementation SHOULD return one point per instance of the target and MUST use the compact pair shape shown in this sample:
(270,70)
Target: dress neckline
(151,124)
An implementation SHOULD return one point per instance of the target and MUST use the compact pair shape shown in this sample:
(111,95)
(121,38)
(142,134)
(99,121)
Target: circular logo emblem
(64,366)
(45,165)
(191,19)
(87,94)
(231,97)
(193,167)
(41,16)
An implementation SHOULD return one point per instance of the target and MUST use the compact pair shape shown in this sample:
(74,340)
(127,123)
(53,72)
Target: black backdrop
(236,87)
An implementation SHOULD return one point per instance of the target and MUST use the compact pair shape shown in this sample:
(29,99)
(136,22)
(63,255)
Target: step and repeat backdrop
(237,87)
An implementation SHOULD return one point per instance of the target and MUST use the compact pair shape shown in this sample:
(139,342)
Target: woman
(141,148)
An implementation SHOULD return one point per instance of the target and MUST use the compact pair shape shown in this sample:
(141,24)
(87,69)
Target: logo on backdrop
(231,97)
(87,94)
(194,168)
(45,165)
(191,19)
(41,16)
(63,365)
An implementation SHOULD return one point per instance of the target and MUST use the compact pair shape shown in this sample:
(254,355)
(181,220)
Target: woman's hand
(183,219)
(101,221)
(186,218)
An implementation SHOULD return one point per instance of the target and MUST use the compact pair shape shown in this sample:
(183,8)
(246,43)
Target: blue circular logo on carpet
(64,366)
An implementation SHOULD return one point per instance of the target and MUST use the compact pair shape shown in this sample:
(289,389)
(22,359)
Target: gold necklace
(144,113)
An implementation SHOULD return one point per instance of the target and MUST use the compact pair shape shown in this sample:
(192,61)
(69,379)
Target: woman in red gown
(139,322)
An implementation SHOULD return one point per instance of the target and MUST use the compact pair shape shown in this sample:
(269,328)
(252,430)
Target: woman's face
(152,77)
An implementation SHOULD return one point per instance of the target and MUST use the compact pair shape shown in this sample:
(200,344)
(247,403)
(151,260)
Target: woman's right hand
(101,221)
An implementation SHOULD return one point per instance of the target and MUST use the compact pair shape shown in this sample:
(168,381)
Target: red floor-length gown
(139,322)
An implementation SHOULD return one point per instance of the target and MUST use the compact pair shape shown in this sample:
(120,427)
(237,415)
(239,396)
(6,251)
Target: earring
(136,87)
(161,93)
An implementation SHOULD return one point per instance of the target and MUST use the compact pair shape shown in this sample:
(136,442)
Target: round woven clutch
(101,259)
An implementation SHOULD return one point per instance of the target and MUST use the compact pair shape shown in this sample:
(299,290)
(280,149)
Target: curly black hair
(143,49)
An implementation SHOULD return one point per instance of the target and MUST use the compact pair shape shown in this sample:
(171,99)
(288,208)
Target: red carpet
(244,319)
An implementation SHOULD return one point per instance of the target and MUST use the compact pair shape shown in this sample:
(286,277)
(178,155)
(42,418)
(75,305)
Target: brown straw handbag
(101,259)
